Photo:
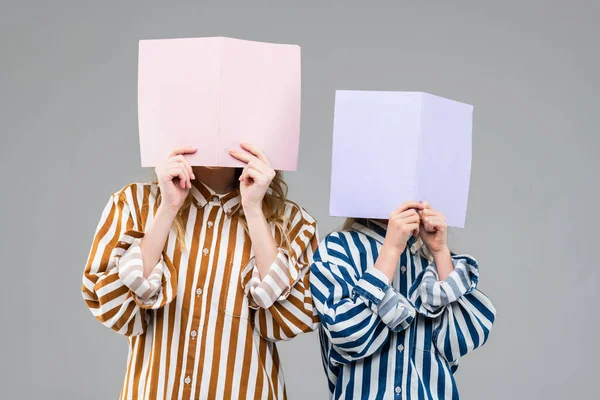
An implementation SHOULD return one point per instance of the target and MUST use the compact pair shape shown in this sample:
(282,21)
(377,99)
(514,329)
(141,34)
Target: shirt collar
(202,195)
(376,230)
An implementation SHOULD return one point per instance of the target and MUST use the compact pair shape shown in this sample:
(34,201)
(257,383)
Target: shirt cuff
(372,287)
(430,295)
(275,286)
(392,307)
(130,267)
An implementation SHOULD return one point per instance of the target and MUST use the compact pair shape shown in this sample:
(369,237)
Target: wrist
(441,253)
(166,212)
(392,250)
(387,261)
(253,210)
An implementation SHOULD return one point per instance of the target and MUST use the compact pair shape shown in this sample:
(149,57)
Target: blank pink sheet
(213,93)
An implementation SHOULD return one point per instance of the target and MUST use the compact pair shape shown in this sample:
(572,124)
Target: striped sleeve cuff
(430,295)
(275,286)
(392,307)
(129,264)
(372,287)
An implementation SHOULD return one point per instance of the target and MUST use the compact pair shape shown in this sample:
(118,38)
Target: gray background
(69,139)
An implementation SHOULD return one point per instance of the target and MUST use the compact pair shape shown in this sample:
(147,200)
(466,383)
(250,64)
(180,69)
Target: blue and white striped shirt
(398,340)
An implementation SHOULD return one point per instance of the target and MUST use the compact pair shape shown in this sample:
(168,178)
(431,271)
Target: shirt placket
(399,375)
(203,263)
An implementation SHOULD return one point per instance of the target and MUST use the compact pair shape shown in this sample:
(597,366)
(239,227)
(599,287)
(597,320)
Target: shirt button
(210,224)
(215,199)
(400,347)
(205,251)
(198,291)
(398,389)
(193,333)
(403,269)
(187,380)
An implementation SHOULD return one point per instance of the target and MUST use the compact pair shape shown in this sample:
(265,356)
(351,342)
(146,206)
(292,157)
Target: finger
(176,176)
(187,169)
(413,227)
(244,175)
(407,219)
(180,160)
(182,150)
(251,160)
(256,151)
(180,173)
(438,222)
(173,171)
(433,224)
(251,174)
(186,177)
(184,161)
(408,205)
(259,166)
(408,213)
(241,155)
(427,227)
(428,212)
(245,171)
(425,204)
(412,219)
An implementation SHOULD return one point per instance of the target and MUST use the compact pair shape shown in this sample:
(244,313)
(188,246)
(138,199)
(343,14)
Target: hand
(174,179)
(255,178)
(402,224)
(434,229)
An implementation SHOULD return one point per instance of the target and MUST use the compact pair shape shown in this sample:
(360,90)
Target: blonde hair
(423,250)
(273,205)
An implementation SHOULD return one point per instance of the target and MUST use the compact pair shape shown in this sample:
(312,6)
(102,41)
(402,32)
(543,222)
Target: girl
(203,271)
(397,312)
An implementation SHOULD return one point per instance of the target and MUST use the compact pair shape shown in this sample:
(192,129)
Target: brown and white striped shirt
(203,325)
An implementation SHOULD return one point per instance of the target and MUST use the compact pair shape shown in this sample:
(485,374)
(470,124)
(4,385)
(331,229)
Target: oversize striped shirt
(203,325)
(400,339)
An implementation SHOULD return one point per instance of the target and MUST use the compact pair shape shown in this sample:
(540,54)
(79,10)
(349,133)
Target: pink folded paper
(212,94)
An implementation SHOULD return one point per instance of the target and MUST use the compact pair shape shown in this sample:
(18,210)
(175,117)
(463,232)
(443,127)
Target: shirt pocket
(423,335)
(233,301)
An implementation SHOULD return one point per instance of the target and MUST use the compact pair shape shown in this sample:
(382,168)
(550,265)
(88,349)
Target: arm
(443,263)
(464,315)
(434,233)
(263,242)
(288,318)
(154,240)
(357,313)
(282,295)
(174,180)
(114,288)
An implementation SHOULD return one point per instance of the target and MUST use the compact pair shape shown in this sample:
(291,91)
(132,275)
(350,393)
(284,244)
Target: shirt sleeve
(114,288)
(430,295)
(464,326)
(290,264)
(464,315)
(288,318)
(357,314)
